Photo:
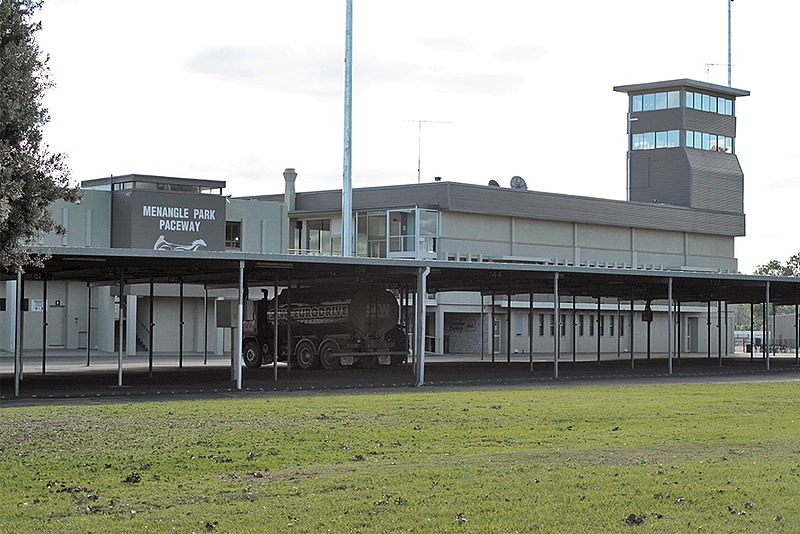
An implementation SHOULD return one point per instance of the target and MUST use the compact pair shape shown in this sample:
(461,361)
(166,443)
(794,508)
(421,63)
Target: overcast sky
(238,91)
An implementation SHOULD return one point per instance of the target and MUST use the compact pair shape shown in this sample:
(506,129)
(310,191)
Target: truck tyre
(251,355)
(305,355)
(328,355)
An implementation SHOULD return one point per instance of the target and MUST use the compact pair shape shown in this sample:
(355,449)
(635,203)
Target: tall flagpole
(347,185)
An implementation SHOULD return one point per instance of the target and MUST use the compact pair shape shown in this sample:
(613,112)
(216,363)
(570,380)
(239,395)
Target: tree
(31,177)
(771,268)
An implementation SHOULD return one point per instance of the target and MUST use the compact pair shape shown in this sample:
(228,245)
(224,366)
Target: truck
(326,327)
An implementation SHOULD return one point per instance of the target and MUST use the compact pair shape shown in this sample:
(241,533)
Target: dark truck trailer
(329,326)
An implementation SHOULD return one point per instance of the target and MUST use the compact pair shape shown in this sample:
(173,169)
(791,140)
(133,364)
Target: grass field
(671,458)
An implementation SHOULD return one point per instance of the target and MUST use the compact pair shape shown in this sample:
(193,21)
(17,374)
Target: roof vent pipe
(289,195)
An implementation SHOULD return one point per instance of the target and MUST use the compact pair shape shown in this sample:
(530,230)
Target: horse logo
(163,244)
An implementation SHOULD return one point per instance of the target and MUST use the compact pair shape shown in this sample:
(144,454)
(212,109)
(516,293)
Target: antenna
(419,143)
(709,65)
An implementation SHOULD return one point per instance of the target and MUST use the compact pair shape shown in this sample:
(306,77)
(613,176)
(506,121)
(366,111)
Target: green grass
(680,458)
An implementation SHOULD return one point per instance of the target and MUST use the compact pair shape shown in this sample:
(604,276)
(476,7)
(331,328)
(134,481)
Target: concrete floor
(68,378)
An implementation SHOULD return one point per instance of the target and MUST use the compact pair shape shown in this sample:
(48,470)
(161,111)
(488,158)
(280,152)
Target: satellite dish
(494,183)
(517,182)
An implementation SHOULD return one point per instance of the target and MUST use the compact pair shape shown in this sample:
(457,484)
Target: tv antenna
(419,142)
(708,68)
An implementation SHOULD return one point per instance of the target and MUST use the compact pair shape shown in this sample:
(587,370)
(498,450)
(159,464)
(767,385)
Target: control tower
(682,145)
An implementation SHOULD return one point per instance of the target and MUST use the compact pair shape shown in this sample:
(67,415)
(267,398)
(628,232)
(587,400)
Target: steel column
(796,334)
(599,337)
(752,333)
(766,324)
(205,324)
(719,332)
(492,321)
(44,324)
(530,326)
(422,278)
(152,335)
(631,340)
(678,339)
(289,346)
(180,327)
(508,330)
(557,320)
(88,324)
(121,326)
(18,334)
(483,329)
(239,318)
(574,331)
(708,324)
(670,327)
(276,326)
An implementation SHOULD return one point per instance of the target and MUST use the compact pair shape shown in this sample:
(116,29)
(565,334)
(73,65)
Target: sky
(240,90)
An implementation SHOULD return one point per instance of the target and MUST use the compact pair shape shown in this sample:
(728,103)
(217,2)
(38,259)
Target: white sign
(37,305)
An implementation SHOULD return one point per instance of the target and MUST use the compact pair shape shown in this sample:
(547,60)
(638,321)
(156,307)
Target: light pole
(347,185)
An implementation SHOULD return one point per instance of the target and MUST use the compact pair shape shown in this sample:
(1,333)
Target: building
(683,212)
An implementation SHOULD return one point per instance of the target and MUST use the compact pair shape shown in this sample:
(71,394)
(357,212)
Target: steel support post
(414,334)
(44,324)
(727,330)
(492,321)
(239,319)
(289,345)
(619,327)
(766,324)
(422,278)
(678,338)
(574,331)
(530,326)
(121,325)
(483,329)
(631,341)
(152,327)
(508,330)
(719,332)
(796,334)
(557,320)
(752,333)
(180,326)
(599,322)
(276,325)
(88,324)
(708,324)
(205,324)
(670,327)
(18,334)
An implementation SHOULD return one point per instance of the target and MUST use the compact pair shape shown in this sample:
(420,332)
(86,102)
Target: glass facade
(651,140)
(671,139)
(707,141)
(653,101)
(672,99)
(712,104)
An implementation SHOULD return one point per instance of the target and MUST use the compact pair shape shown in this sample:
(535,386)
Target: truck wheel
(328,355)
(251,355)
(305,355)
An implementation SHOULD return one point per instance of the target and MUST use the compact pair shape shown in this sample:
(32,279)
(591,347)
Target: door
(56,330)
(692,332)
(498,336)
